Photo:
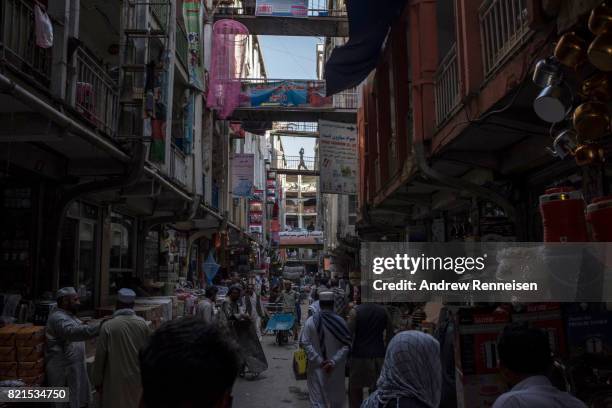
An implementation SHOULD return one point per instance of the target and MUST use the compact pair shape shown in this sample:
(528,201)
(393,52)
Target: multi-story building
(112,168)
(444,155)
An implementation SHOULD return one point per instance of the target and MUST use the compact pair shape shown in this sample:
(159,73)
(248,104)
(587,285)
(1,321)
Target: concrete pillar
(105,247)
(170,90)
(469,51)
(65,13)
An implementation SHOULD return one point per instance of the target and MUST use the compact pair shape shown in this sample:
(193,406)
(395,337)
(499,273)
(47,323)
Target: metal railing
(296,126)
(316,8)
(18,40)
(447,86)
(503,27)
(161,11)
(296,163)
(182,45)
(97,95)
(178,168)
(348,99)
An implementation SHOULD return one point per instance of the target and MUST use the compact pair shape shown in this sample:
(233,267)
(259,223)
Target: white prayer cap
(67,291)
(326,296)
(126,295)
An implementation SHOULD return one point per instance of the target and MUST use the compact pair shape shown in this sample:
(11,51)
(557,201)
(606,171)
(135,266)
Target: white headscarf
(412,369)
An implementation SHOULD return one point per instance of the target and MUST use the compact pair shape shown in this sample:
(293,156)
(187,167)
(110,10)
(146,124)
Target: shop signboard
(304,94)
(298,238)
(339,157)
(282,8)
(243,172)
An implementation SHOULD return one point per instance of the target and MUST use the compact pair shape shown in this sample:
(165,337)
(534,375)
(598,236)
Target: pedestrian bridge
(293,100)
(295,165)
(321,21)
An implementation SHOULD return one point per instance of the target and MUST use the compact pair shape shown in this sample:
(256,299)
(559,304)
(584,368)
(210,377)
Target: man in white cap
(65,353)
(116,371)
(326,340)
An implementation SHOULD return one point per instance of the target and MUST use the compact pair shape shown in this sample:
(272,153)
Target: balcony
(97,95)
(18,42)
(348,99)
(178,167)
(447,86)
(320,19)
(503,29)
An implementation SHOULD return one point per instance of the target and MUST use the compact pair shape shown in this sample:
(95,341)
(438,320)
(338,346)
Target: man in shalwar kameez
(65,353)
(326,340)
(116,371)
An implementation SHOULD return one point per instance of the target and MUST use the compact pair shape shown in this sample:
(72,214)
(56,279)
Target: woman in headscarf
(411,375)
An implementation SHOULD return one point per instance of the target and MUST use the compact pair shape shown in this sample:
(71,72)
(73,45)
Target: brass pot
(600,20)
(597,88)
(600,52)
(589,154)
(571,50)
(591,120)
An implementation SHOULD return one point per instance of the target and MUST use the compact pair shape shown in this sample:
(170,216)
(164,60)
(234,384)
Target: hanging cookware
(600,52)
(564,144)
(600,20)
(553,103)
(547,72)
(571,50)
(589,153)
(598,87)
(591,120)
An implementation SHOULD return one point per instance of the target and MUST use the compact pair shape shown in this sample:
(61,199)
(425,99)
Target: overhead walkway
(321,21)
(296,165)
(293,100)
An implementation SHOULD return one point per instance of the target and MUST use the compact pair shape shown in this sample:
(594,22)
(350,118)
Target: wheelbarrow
(281,324)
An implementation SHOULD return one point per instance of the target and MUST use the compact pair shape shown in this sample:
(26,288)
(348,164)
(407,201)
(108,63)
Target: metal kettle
(564,144)
(571,50)
(600,52)
(600,20)
(591,120)
(598,87)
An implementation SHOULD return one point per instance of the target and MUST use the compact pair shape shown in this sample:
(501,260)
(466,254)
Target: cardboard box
(30,354)
(8,354)
(34,381)
(8,369)
(31,369)
(30,336)
(9,332)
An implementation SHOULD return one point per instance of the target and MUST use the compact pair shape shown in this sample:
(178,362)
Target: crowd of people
(171,367)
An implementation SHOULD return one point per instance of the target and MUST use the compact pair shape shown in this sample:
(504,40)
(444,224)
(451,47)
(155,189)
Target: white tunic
(537,392)
(326,390)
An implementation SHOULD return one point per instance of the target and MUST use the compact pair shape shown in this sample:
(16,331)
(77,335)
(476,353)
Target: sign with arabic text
(339,157)
(243,172)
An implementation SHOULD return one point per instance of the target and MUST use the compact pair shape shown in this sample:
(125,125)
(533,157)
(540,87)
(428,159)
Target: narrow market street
(275,387)
(429,180)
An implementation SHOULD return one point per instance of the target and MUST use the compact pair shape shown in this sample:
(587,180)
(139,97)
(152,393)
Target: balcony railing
(447,86)
(178,168)
(296,163)
(18,40)
(503,28)
(296,126)
(316,8)
(182,45)
(348,99)
(97,95)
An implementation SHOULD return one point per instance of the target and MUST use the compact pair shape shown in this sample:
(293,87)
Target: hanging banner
(282,8)
(193,14)
(243,172)
(339,157)
(308,94)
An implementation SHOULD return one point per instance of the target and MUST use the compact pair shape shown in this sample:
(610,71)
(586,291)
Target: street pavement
(275,387)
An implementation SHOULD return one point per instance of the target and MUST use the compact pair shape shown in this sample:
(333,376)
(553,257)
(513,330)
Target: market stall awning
(369,23)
